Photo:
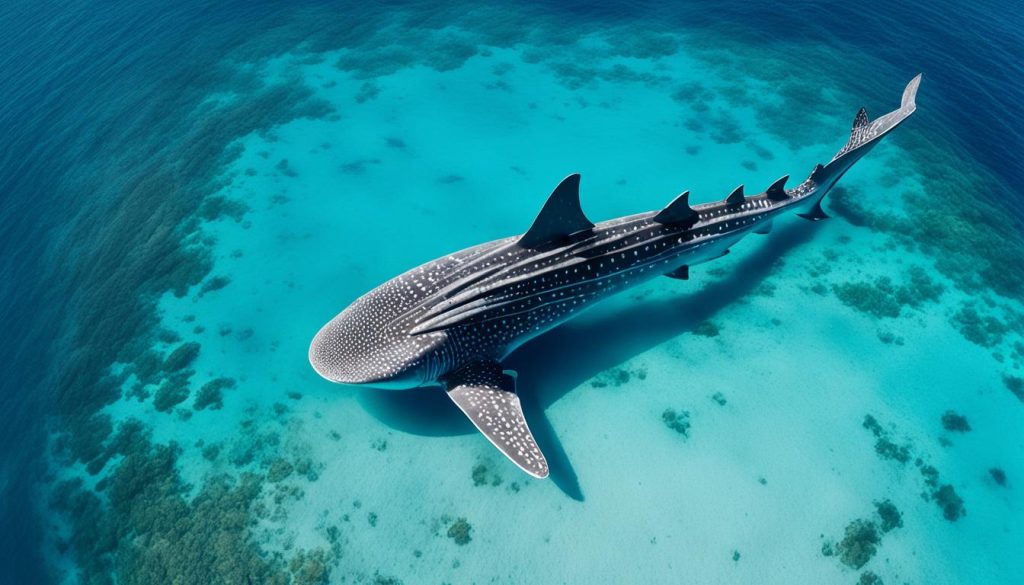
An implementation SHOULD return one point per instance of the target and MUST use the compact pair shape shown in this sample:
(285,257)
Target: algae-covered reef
(144,526)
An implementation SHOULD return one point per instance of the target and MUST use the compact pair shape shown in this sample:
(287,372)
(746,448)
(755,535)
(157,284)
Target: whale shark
(451,322)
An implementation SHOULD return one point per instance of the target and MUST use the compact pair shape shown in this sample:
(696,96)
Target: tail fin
(864,135)
(865,132)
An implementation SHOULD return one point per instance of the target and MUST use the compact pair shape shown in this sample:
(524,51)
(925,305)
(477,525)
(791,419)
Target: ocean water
(189,192)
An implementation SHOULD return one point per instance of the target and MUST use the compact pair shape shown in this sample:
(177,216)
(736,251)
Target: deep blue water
(92,95)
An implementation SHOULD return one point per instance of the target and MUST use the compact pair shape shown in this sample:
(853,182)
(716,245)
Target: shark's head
(360,347)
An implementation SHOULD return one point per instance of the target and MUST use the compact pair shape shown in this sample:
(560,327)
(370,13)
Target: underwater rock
(167,336)
(707,329)
(172,392)
(211,395)
(884,447)
(218,206)
(859,544)
(359,166)
(211,452)
(86,434)
(677,421)
(482,475)
(951,503)
(367,91)
(279,470)
(983,330)
(889,338)
(285,168)
(459,532)
(951,421)
(214,284)
(869,578)
(998,476)
(182,357)
(617,377)
(874,298)
(882,298)
(719,398)
(890,515)
(310,568)
(379,579)
(1014,384)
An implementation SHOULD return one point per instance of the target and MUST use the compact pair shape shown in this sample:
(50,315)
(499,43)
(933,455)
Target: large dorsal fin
(777,190)
(487,395)
(560,216)
(736,197)
(678,212)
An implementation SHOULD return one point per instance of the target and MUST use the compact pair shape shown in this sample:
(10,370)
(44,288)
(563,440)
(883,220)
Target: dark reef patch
(367,91)
(950,502)
(859,543)
(951,421)
(211,394)
(148,530)
(617,376)
(459,531)
(182,357)
(944,496)
(173,391)
(889,514)
(1014,384)
(998,476)
(484,475)
(285,168)
(980,328)
(358,167)
(678,421)
(884,446)
(214,283)
(881,298)
(218,206)
(707,329)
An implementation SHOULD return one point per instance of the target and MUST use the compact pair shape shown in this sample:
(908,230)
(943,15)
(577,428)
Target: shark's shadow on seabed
(562,359)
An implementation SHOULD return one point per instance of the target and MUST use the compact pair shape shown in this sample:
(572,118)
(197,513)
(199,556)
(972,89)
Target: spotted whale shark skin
(451,321)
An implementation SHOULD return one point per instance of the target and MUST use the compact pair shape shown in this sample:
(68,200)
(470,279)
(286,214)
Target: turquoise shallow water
(833,402)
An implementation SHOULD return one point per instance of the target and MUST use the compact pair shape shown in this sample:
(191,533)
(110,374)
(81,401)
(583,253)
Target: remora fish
(451,321)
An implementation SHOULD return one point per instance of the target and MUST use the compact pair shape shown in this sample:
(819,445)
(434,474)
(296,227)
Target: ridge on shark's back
(451,321)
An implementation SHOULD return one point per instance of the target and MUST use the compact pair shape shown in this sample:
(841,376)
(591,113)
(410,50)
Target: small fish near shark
(451,322)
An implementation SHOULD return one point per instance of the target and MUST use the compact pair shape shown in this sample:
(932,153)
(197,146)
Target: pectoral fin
(487,395)
(681,273)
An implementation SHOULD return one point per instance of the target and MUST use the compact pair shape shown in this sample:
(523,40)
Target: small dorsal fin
(777,190)
(861,119)
(560,216)
(816,172)
(736,197)
(678,212)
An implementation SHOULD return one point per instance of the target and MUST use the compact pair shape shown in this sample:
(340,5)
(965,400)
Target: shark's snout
(351,350)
